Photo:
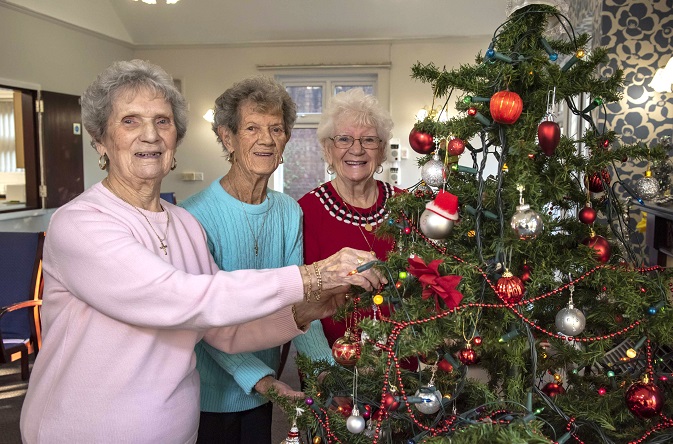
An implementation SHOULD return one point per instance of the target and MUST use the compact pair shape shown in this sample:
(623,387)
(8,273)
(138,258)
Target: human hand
(340,269)
(284,390)
(305,312)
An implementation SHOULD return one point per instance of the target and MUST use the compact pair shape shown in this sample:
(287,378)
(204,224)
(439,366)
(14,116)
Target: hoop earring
(103,160)
(281,160)
(174,165)
(330,169)
(379,169)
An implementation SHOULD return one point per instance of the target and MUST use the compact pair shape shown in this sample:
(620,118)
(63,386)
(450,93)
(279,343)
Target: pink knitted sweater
(121,318)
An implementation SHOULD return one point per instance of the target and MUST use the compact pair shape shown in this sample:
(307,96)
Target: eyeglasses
(367,142)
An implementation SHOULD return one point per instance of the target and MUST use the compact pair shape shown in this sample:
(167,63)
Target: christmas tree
(534,318)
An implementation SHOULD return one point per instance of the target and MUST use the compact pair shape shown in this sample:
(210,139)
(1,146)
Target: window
(304,168)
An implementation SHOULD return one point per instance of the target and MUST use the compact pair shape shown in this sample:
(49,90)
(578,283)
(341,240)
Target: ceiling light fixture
(154,2)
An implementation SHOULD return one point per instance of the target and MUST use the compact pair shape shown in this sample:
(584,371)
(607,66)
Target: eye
(370,140)
(250,129)
(343,139)
(128,120)
(277,130)
(163,121)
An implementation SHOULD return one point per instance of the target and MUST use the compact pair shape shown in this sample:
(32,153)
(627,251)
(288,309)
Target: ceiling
(204,22)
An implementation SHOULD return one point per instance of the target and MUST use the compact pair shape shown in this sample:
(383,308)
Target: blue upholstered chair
(169,197)
(20,296)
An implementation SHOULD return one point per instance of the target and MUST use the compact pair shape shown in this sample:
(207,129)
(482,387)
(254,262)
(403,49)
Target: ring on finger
(360,261)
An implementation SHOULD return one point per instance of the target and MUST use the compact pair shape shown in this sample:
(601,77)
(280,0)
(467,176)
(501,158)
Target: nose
(265,136)
(357,147)
(149,132)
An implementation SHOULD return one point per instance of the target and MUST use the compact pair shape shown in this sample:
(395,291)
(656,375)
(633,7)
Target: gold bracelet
(294,316)
(318,292)
(307,294)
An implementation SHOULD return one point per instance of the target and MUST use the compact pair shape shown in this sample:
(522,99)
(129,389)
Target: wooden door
(62,148)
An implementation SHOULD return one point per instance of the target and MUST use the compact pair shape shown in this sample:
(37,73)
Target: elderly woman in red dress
(354,132)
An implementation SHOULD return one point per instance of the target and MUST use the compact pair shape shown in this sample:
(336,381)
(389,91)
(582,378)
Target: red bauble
(390,403)
(445,366)
(345,351)
(587,215)
(509,288)
(594,183)
(455,147)
(506,107)
(421,142)
(600,245)
(345,410)
(468,356)
(552,389)
(548,136)
(644,399)
(526,273)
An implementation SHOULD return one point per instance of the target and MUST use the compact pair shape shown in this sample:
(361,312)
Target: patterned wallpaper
(640,35)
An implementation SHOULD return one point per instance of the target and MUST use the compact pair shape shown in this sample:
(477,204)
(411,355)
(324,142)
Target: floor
(13,389)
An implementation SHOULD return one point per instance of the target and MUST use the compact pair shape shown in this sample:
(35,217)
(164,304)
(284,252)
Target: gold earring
(281,160)
(174,165)
(103,161)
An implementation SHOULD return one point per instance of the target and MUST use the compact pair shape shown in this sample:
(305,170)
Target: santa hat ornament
(439,216)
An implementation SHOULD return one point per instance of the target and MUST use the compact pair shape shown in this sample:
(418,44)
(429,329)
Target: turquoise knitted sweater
(233,229)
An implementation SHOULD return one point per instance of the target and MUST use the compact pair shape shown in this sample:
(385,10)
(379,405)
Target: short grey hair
(359,108)
(265,94)
(129,76)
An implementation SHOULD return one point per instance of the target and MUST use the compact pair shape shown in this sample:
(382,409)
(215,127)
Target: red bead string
(325,425)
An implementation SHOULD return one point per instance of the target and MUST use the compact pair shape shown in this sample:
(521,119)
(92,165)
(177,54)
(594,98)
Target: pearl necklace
(162,241)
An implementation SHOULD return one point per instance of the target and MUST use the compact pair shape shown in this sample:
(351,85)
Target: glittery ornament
(355,423)
(421,142)
(432,399)
(509,288)
(345,350)
(455,147)
(647,187)
(644,399)
(570,321)
(526,222)
(433,172)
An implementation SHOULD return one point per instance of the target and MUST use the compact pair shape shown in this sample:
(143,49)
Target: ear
(326,153)
(227,138)
(99,147)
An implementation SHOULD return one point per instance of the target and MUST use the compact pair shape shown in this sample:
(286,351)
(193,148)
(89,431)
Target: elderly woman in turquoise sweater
(249,226)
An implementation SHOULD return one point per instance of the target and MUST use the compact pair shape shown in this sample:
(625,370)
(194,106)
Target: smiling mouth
(153,155)
(355,162)
(264,154)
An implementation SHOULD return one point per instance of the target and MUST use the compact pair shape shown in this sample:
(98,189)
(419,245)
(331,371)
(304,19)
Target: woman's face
(258,145)
(354,164)
(140,139)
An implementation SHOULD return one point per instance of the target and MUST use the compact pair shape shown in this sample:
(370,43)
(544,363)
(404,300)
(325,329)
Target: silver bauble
(355,423)
(433,173)
(570,321)
(526,222)
(435,226)
(647,187)
(432,400)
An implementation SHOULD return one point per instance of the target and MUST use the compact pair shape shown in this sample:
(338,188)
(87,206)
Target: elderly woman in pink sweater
(130,286)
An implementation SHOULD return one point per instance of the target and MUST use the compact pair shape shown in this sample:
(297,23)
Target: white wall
(64,59)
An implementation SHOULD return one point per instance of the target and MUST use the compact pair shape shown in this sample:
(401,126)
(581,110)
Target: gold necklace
(352,209)
(162,245)
(255,237)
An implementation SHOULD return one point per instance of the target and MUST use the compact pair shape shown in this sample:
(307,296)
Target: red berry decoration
(468,356)
(421,142)
(455,147)
(548,136)
(390,403)
(445,366)
(506,107)
(510,288)
(476,340)
(345,350)
(552,389)
(600,245)
(644,399)
(594,182)
(587,215)
(526,273)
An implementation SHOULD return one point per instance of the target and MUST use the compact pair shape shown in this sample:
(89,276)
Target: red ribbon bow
(434,283)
